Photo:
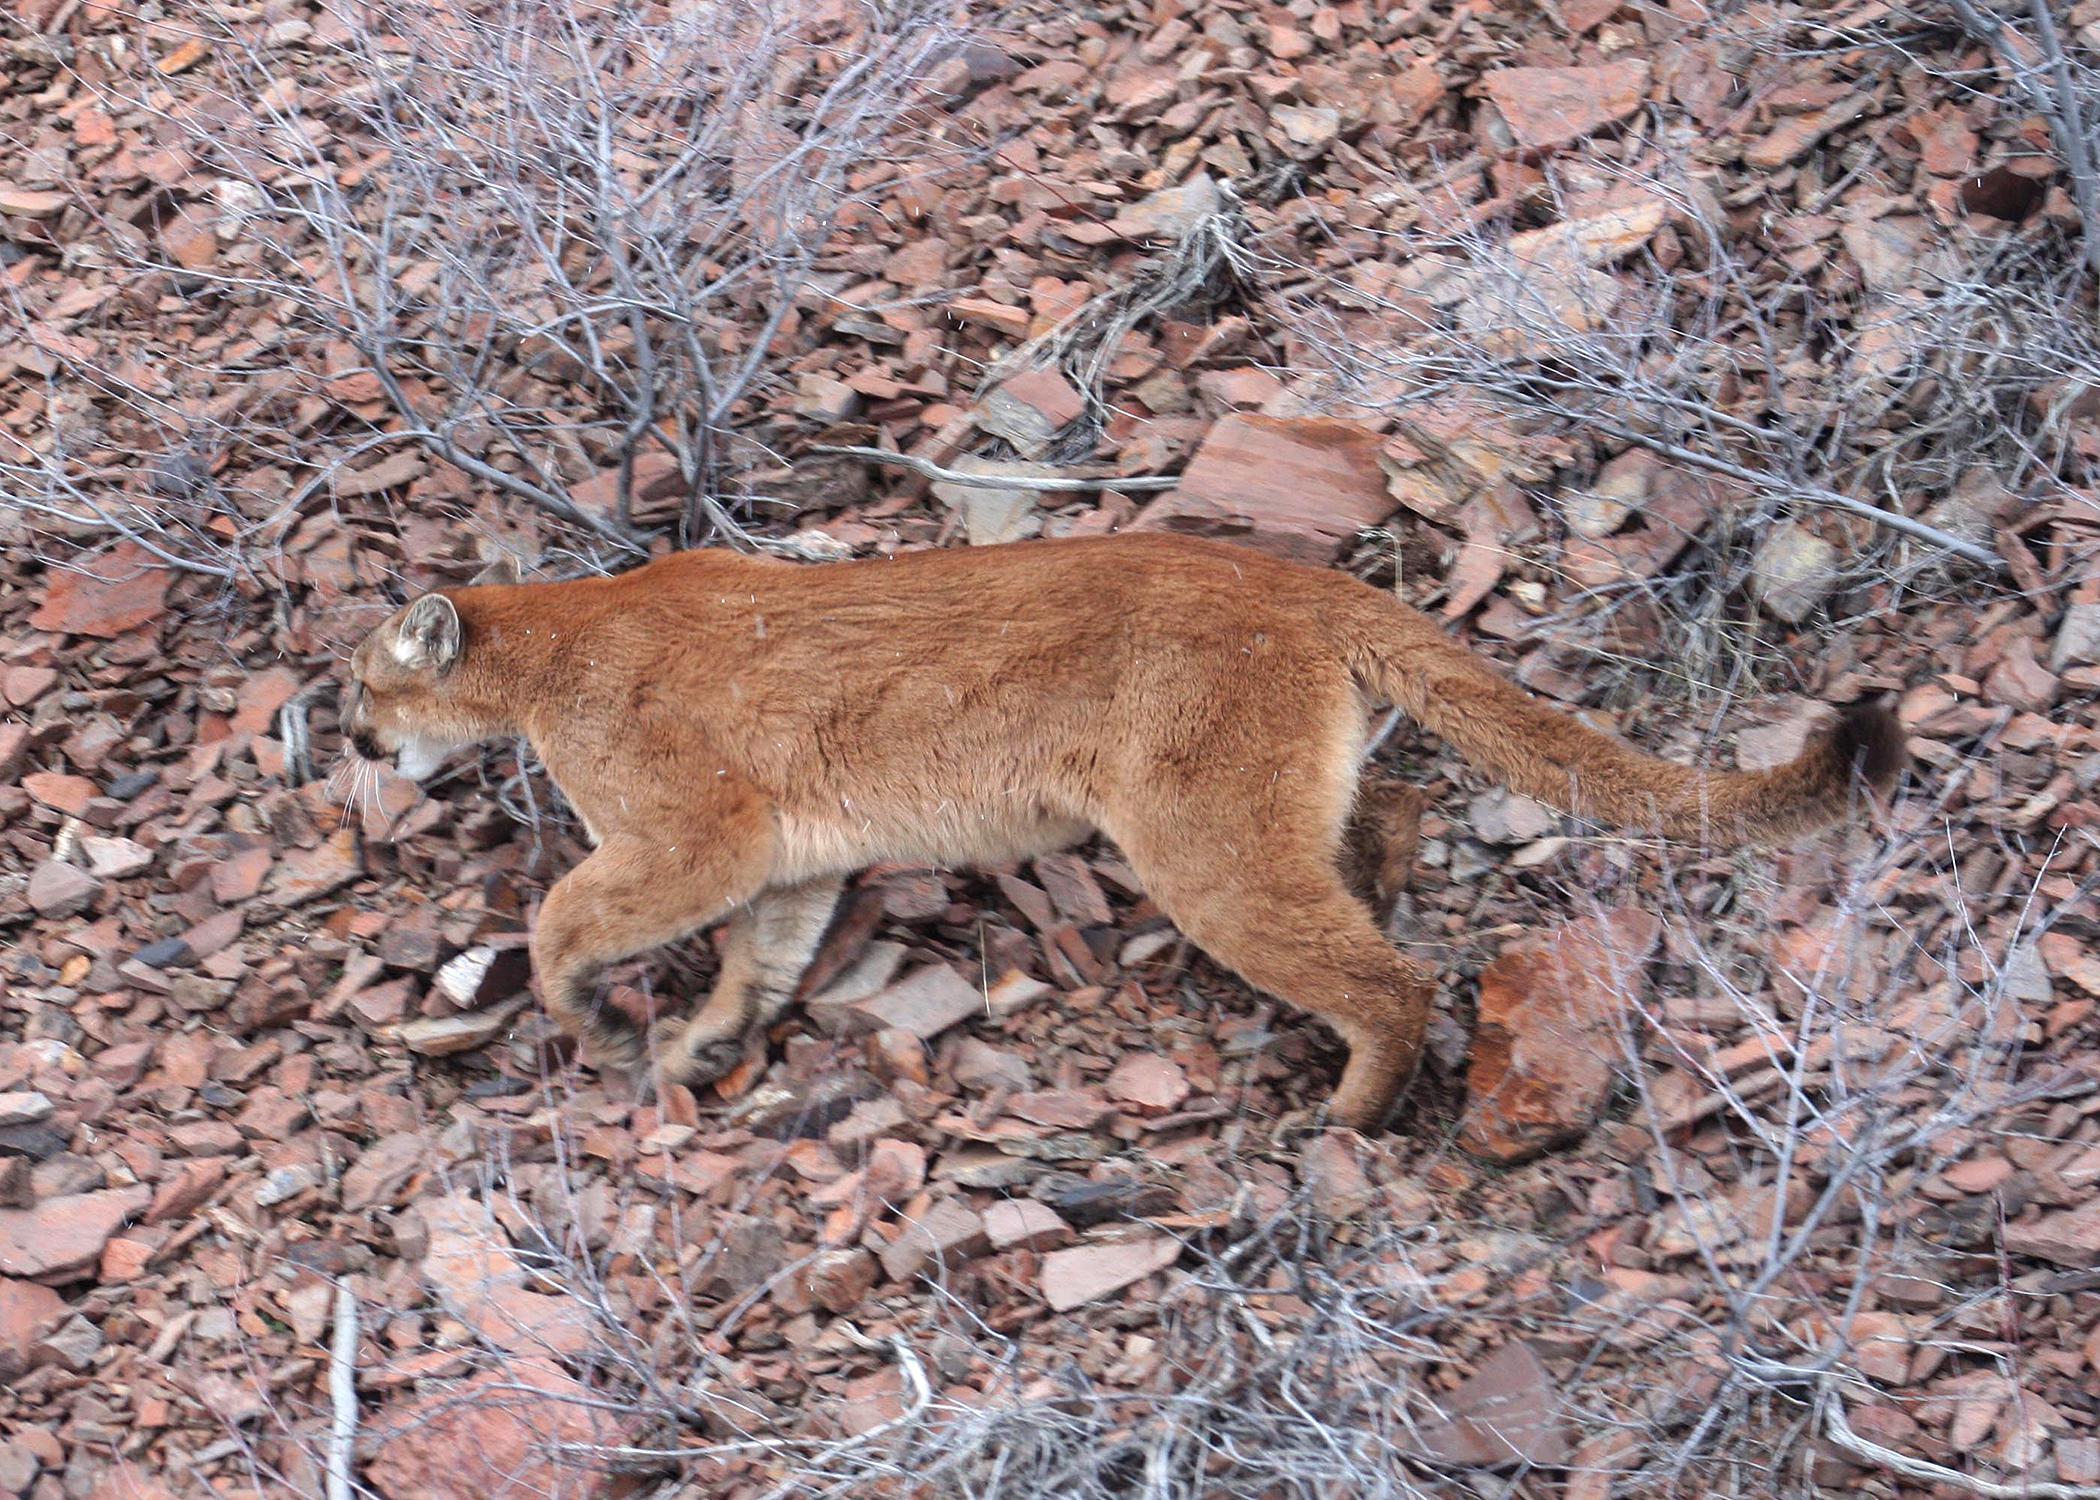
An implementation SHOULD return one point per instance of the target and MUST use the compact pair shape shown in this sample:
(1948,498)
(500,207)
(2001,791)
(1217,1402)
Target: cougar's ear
(430,635)
(505,568)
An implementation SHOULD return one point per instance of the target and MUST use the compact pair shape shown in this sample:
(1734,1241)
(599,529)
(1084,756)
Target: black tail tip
(1868,737)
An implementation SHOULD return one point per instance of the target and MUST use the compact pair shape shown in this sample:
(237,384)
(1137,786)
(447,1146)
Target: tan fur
(738,734)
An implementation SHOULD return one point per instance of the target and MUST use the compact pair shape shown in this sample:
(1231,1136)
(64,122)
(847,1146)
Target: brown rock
(925,1003)
(1156,1085)
(309,874)
(1310,129)
(22,686)
(260,697)
(1890,252)
(1547,1038)
(496,1437)
(1085,1273)
(1882,1346)
(896,1170)
(1506,1412)
(385,1168)
(839,1280)
(59,792)
(25,1107)
(116,859)
(1792,572)
(1029,410)
(2077,638)
(2018,680)
(239,876)
(1060,1109)
(1024,1224)
(27,1312)
(129,1482)
(896,1054)
(1553,106)
(2069,1237)
(998,316)
(979,1066)
(1074,891)
(442,1036)
(32,203)
(1169,212)
(993,514)
(1328,1166)
(115,594)
(1300,487)
(63,1237)
(469,1264)
(947,1234)
(186,1190)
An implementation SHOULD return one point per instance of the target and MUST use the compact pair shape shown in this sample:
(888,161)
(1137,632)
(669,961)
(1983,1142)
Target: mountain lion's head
(405,698)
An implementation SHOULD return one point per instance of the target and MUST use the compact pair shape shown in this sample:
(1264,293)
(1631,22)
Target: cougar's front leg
(629,896)
(767,947)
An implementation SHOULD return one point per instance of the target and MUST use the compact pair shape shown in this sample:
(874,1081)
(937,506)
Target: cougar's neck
(526,653)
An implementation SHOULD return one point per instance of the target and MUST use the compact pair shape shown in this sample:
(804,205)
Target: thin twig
(1383,733)
(2059,103)
(1974,551)
(342,1393)
(1839,1430)
(933,470)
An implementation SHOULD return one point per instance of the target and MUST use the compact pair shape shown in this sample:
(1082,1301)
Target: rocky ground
(1577,324)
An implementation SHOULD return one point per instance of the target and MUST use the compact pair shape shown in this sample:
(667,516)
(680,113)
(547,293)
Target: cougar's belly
(944,834)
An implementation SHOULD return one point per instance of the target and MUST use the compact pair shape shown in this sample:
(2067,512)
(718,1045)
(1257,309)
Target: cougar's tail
(1402,657)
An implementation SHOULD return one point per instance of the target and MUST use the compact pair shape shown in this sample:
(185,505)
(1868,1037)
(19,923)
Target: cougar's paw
(694,1061)
(1295,1127)
(615,1048)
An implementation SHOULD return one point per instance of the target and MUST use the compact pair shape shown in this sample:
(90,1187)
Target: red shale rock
(1506,1412)
(1299,486)
(1553,106)
(27,1312)
(493,1438)
(1547,1041)
(2069,1237)
(1074,1277)
(105,596)
(63,1237)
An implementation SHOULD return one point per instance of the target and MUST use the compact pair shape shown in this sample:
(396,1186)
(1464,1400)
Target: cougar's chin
(419,761)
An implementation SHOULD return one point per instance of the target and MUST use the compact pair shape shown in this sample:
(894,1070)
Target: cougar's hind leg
(1380,842)
(1281,917)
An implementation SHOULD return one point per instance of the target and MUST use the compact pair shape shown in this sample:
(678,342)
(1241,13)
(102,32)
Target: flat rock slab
(499,1434)
(63,1237)
(1300,487)
(106,596)
(1545,1049)
(1086,1273)
(1552,106)
(1506,1412)
(924,1003)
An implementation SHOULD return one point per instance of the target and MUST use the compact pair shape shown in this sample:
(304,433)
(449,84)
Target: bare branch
(342,1393)
(1839,1429)
(933,470)
(2053,94)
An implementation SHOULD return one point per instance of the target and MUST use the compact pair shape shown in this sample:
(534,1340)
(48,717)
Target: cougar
(738,734)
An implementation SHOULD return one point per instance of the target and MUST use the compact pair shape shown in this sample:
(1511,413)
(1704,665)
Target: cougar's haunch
(738,734)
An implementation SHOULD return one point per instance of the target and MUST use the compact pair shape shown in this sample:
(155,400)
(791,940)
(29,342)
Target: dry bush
(1907,389)
(548,246)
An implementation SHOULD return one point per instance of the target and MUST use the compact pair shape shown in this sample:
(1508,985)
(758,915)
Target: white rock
(115,859)
(1793,572)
